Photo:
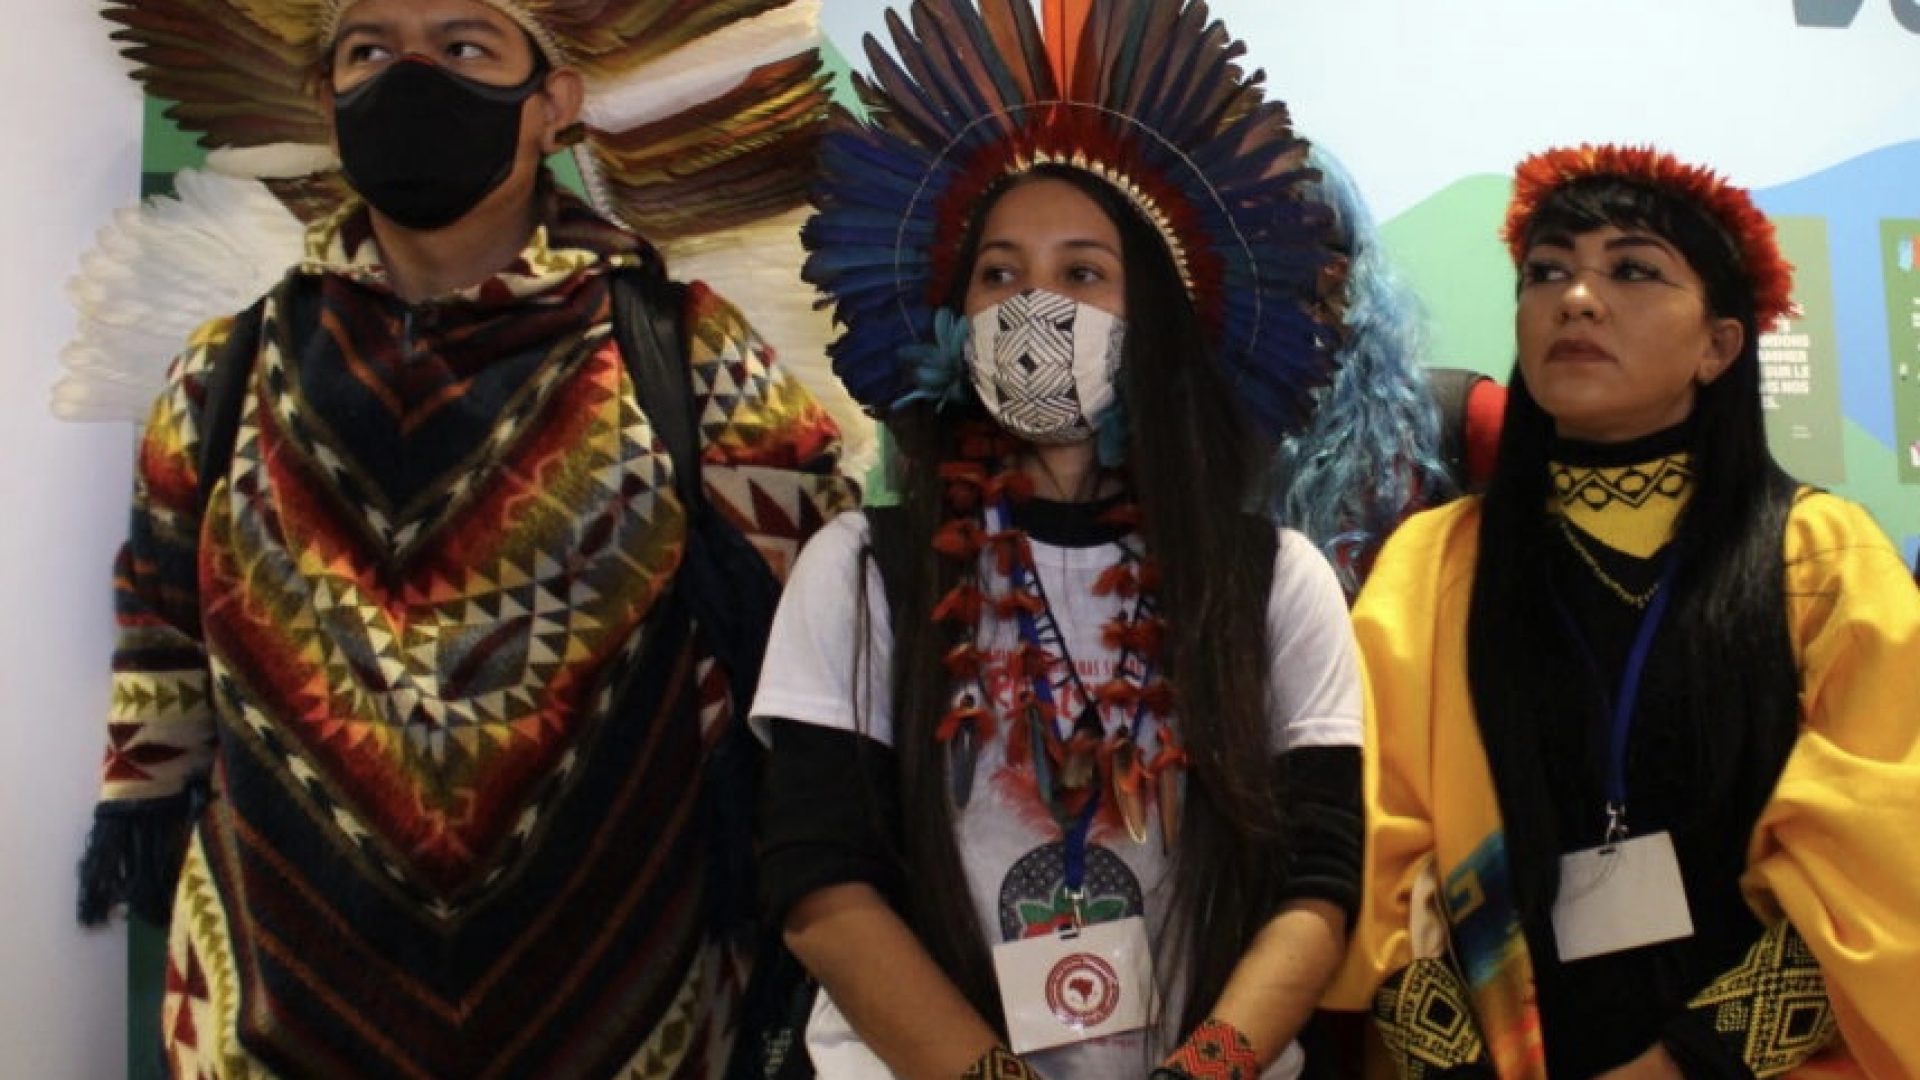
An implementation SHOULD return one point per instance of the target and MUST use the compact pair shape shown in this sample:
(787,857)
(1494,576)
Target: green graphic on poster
(1900,266)
(1800,363)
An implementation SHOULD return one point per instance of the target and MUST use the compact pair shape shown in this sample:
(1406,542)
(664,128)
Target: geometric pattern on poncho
(455,826)
(407,715)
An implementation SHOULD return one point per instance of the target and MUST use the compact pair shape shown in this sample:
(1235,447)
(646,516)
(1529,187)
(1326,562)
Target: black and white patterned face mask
(1045,365)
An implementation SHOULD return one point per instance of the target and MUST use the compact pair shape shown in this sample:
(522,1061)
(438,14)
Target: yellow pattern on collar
(540,266)
(1630,508)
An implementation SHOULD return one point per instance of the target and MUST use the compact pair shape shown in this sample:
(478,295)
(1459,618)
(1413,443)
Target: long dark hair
(1194,464)
(1727,623)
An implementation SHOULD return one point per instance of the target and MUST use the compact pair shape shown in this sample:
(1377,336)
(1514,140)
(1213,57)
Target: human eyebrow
(471,26)
(1090,245)
(361,29)
(1646,241)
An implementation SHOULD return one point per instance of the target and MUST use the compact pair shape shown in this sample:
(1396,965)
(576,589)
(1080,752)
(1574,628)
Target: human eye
(467,50)
(363,53)
(1086,274)
(995,274)
(1636,270)
(1544,271)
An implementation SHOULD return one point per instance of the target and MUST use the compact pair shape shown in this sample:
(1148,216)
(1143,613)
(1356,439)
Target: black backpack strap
(226,391)
(723,583)
(726,584)
(731,593)
(646,323)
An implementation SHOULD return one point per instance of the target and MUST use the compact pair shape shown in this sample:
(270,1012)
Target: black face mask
(423,146)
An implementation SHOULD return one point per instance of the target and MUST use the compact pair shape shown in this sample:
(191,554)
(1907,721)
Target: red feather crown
(1767,272)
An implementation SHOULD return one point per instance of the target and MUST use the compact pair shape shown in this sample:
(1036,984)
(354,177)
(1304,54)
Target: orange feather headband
(1767,272)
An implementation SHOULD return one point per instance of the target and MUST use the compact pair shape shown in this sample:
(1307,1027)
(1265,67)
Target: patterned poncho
(412,688)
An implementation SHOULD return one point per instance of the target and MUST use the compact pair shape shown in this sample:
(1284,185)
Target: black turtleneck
(1600,1012)
(1068,524)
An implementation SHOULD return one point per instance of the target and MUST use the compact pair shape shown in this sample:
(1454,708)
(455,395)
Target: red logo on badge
(1082,990)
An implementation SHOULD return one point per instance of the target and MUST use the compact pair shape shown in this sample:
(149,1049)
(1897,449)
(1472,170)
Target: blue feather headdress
(1371,455)
(1155,106)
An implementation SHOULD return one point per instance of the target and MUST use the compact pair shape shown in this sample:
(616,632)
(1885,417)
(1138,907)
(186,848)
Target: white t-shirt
(1010,845)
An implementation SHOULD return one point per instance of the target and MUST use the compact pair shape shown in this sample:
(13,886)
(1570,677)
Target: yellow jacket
(1836,851)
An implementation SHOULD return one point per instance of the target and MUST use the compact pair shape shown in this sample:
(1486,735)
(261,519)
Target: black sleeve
(1700,1052)
(828,816)
(1320,788)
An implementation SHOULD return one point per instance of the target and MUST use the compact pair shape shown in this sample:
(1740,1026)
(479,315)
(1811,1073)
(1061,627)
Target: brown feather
(1016,35)
(744,155)
(233,82)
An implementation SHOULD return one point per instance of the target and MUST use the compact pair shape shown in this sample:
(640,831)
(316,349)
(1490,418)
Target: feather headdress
(1155,105)
(699,116)
(1765,269)
(701,121)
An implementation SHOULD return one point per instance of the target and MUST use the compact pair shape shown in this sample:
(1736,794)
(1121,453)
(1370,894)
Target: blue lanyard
(1627,700)
(1074,832)
(1074,881)
(1030,633)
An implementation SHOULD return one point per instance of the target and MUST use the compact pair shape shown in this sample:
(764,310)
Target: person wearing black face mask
(452,804)
(424,145)
(441,128)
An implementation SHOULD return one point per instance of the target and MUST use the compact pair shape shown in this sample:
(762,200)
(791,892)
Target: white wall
(70,119)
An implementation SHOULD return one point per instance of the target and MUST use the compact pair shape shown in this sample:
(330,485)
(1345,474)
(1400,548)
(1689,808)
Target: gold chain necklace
(1632,599)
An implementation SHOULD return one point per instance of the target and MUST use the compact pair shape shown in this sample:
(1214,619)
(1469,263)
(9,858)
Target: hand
(1655,1064)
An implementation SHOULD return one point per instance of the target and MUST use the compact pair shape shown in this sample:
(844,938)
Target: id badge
(1620,896)
(1076,985)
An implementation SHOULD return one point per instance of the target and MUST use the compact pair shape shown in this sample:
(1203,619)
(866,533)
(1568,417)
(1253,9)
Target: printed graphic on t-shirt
(1033,895)
(1067,693)
(1012,777)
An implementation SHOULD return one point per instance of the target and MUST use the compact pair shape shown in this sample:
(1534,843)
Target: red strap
(1485,415)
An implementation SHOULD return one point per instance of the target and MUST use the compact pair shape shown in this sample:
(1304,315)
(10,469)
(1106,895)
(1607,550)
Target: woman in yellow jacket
(1647,794)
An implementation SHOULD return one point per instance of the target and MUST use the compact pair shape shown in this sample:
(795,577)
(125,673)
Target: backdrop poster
(1899,239)
(1800,364)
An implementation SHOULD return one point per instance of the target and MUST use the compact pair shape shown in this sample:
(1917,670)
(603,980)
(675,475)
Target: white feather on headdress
(702,122)
(159,270)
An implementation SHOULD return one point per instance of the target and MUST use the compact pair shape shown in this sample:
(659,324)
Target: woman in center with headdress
(1065,745)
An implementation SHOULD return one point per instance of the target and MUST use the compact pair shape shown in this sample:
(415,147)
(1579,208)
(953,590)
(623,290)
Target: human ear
(1725,339)
(562,99)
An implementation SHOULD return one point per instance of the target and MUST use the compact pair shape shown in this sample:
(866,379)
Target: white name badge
(1620,897)
(1076,985)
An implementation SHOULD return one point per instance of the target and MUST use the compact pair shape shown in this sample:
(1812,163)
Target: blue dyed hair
(1371,455)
